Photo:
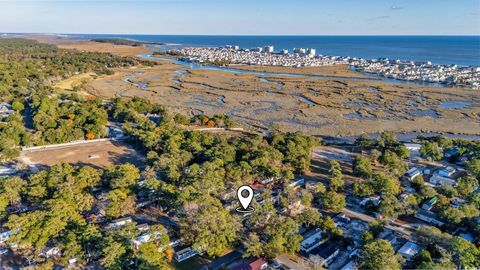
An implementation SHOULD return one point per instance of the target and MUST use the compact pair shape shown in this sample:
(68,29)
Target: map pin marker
(245,199)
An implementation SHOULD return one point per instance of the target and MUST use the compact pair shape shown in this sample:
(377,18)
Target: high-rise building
(299,51)
(311,52)
(268,49)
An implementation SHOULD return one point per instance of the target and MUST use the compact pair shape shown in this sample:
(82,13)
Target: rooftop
(409,249)
(326,249)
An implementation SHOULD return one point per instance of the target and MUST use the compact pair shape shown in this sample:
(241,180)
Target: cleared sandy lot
(97,155)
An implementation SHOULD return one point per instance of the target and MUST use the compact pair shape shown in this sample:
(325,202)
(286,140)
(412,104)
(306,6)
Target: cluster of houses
(322,251)
(436,176)
(396,69)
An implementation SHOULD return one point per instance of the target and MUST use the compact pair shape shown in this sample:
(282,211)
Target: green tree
(386,184)
(329,227)
(112,253)
(18,106)
(394,162)
(309,217)
(120,203)
(210,228)
(254,246)
(333,202)
(468,255)
(379,254)
(466,185)
(473,167)
(150,257)
(282,236)
(362,167)
(423,260)
(363,189)
(336,176)
(122,176)
(390,206)
(11,189)
(453,216)
(431,151)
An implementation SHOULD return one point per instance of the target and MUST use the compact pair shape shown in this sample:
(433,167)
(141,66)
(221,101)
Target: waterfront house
(457,202)
(389,236)
(413,149)
(351,265)
(341,220)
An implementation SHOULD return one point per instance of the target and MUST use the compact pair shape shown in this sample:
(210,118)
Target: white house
(51,252)
(311,240)
(298,182)
(118,223)
(5,235)
(409,250)
(444,176)
(412,173)
(184,254)
(428,217)
(7,170)
(413,149)
(5,109)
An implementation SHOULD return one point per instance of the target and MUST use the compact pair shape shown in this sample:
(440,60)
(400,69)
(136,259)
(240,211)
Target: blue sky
(243,17)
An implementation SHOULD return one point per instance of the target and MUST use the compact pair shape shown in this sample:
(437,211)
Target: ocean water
(459,50)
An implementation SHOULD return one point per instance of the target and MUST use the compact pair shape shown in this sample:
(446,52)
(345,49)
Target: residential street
(397,226)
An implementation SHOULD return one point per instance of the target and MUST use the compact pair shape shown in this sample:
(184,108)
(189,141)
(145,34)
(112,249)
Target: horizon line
(253,35)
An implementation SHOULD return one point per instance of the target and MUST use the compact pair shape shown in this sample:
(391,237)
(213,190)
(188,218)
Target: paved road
(165,221)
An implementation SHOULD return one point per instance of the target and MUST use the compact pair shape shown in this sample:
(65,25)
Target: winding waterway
(371,77)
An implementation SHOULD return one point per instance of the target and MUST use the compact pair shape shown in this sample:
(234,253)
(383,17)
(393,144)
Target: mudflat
(316,106)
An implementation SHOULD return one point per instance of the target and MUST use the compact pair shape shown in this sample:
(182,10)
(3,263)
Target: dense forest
(40,115)
(123,41)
